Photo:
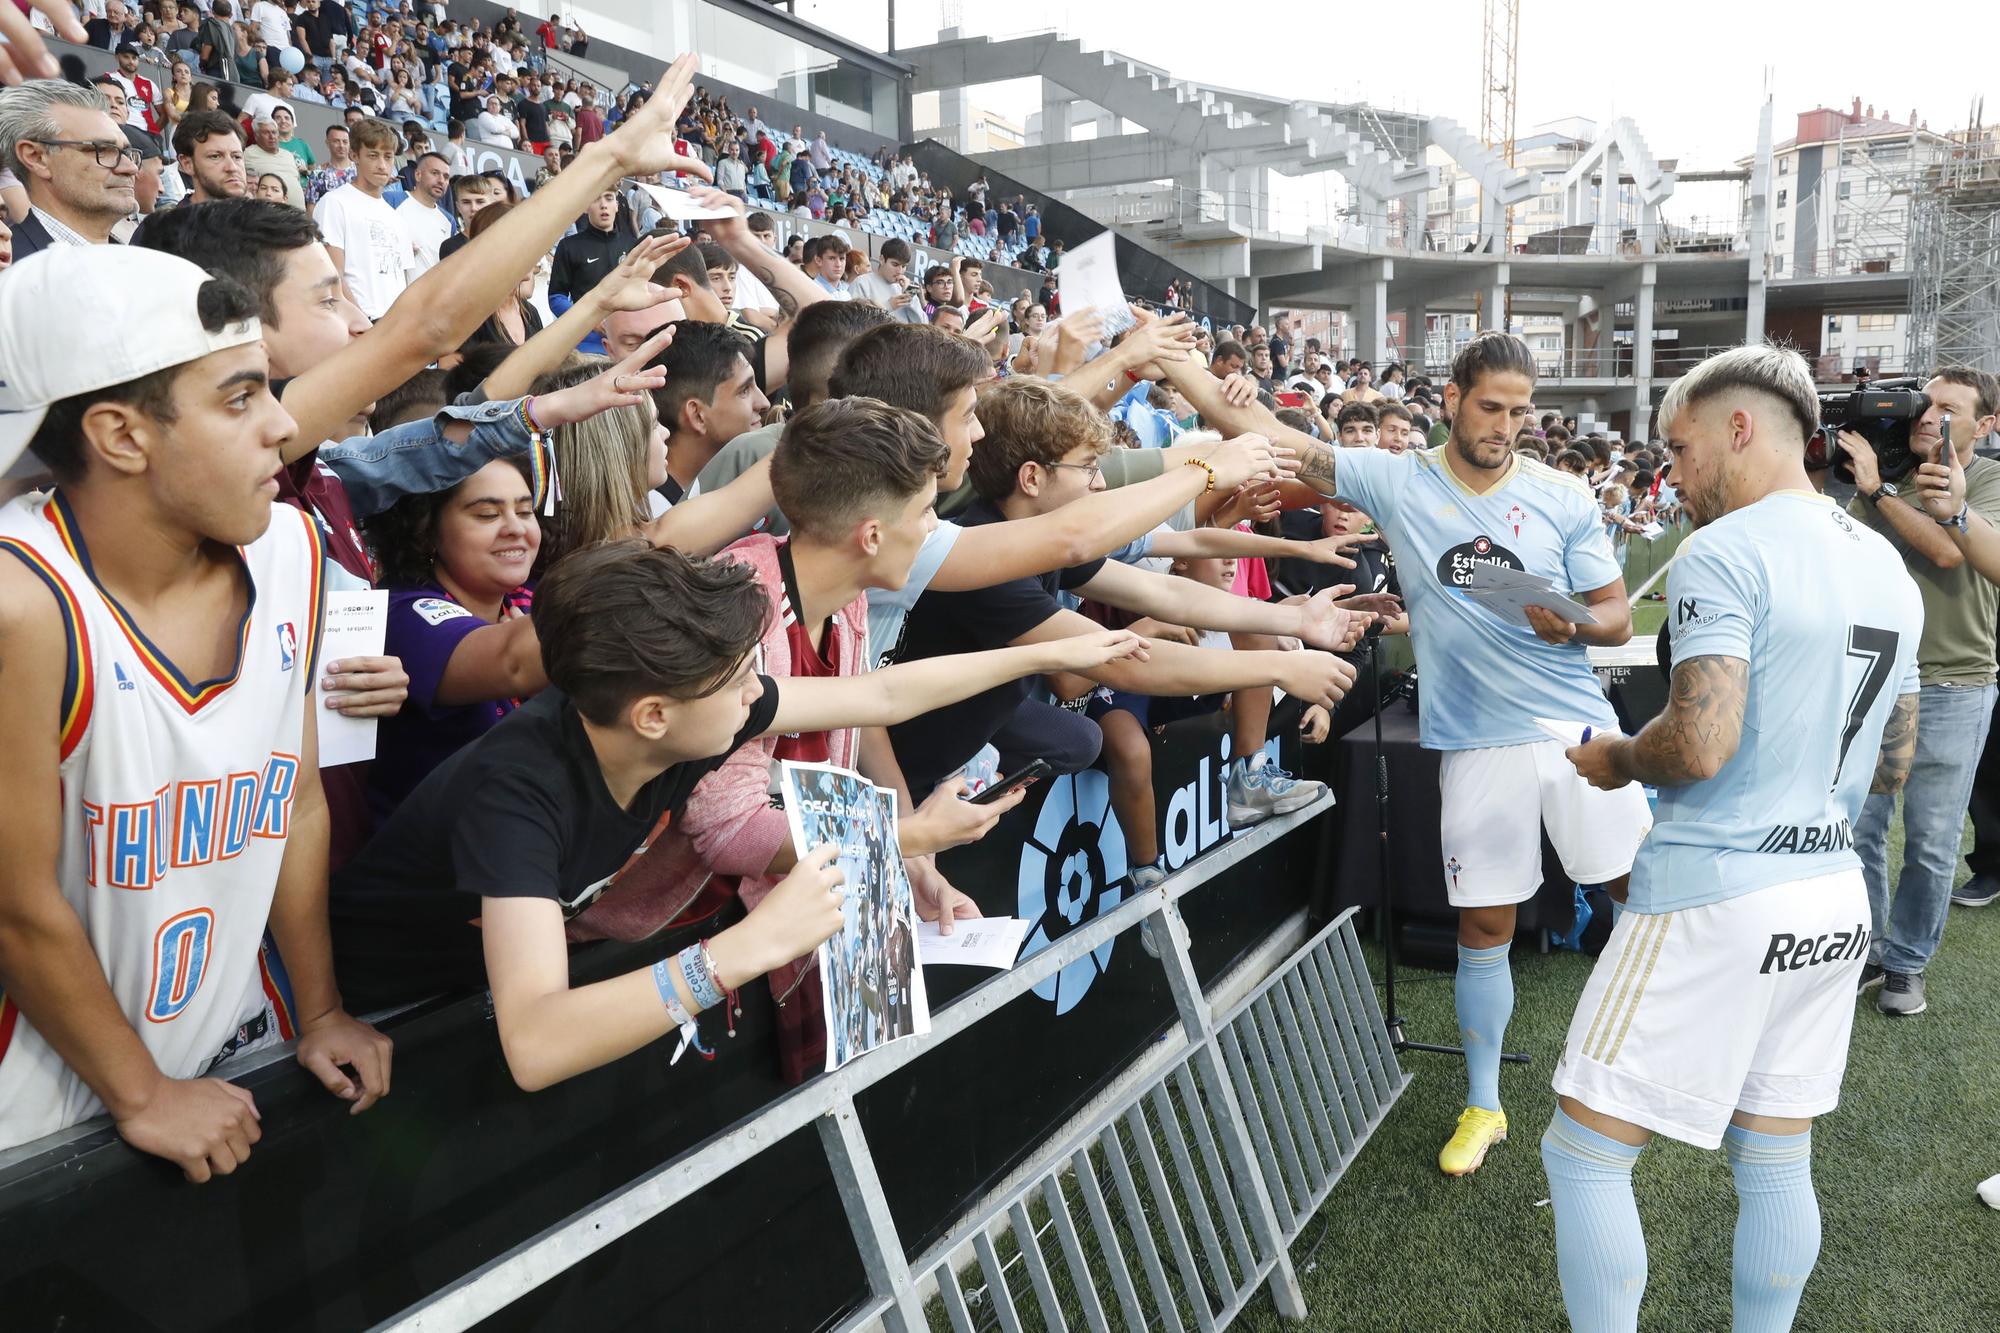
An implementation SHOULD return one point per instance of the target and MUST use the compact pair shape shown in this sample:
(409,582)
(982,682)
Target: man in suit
(74,161)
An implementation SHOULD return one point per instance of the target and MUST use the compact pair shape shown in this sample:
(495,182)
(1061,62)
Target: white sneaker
(1989,1191)
(1255,794)
(1148,877)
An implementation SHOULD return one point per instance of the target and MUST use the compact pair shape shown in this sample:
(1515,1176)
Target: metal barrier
(1286,1088)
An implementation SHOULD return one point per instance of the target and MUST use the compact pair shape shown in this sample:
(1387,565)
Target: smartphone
(1034,772)
(1291,398)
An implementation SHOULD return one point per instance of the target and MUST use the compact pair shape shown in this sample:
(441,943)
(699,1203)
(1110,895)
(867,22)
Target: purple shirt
(426,625)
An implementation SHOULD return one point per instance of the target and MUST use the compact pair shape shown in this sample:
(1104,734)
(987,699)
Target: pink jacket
(731,827)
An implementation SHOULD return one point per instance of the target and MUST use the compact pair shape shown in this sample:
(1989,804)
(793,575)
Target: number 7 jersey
(1828,620)
(176,805)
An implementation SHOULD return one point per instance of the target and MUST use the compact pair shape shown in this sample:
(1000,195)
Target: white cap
(78,318)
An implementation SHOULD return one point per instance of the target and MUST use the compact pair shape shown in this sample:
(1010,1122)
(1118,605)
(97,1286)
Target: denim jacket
(416,458)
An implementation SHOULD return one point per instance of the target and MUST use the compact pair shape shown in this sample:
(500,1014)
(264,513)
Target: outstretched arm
(1241,413)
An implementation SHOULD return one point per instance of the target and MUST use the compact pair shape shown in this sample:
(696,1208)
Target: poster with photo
(872,986)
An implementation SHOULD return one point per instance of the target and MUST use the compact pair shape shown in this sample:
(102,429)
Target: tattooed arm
(1688,742)
(1899,747)
(1234,413)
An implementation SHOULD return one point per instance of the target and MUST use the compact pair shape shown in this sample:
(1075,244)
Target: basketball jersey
(176,803)
(1485,680)
(1828,620)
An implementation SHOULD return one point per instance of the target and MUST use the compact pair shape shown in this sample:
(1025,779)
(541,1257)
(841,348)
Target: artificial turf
(1907,1248)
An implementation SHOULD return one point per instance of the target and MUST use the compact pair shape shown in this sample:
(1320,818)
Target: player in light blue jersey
(1720,1010)
(1445,511)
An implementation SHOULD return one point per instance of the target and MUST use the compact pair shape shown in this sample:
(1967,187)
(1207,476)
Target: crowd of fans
(654,505)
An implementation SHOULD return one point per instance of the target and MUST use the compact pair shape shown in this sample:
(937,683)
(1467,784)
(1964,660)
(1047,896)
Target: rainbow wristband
(663,979)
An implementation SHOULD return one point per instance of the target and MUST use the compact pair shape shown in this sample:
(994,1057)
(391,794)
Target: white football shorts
(1744,1004)
(1494,803)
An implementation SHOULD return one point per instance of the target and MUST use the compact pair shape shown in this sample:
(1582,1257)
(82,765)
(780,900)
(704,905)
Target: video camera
(1883,414)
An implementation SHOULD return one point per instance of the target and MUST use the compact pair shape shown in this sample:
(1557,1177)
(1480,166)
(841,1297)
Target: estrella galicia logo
(1454,568)
(1072,871)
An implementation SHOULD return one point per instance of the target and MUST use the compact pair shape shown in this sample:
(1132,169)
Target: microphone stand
(1385,899)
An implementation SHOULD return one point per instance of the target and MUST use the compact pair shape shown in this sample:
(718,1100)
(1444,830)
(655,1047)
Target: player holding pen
(1720,1011)
(1446,510)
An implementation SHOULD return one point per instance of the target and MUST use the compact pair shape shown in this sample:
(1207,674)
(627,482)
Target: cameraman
(1947,545)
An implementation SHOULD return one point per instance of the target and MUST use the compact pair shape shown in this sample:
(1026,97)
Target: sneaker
(1871,977)
(1902,994)
(1478,1130)
(1979,891)
(1255,794)
(1148,877)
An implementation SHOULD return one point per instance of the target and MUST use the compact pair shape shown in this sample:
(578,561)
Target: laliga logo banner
(1073,866)
(1072,870)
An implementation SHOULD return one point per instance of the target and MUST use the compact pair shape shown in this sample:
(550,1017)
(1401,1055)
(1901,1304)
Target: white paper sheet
(1570,733)
(679,204)
(1508,593)
(356,623)
(1088,279)
(993,941)
(1651,531)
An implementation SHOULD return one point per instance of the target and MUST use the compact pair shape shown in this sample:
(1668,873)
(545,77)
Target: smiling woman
(456,564)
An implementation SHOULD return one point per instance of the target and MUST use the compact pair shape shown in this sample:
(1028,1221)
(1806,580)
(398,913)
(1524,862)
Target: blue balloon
(292,59)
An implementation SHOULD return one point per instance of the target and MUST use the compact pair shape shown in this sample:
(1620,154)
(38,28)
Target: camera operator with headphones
(1947,543)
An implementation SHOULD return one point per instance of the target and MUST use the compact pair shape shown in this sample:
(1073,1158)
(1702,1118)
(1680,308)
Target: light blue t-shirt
(889,608)
(1822,610)
(1483,679)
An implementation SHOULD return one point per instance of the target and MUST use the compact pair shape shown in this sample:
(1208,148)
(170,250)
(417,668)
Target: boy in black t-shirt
(654,683)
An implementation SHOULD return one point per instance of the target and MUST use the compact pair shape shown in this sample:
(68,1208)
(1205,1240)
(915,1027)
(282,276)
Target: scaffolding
(1955,254)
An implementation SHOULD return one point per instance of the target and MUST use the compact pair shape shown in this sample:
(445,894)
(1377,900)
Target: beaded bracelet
(663,979)
(1204,466)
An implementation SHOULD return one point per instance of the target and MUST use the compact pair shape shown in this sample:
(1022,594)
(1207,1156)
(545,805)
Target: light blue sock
(1600,1249)
(1485,995)
(1777,1225)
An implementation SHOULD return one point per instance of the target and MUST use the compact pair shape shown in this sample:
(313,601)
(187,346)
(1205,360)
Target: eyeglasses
(119,152)
(1091,471)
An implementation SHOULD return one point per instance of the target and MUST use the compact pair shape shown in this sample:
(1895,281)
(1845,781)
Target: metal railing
(1314,1027)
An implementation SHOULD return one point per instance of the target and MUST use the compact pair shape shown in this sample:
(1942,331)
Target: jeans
(1984,858)
(1951,731)
(415,458)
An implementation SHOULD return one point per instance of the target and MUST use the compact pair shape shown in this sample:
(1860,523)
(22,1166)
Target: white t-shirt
(273,22)
(375,250)
(427,228)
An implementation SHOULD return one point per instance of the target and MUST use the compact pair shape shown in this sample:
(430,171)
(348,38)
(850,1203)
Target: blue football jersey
(1823,611)
(1484,679)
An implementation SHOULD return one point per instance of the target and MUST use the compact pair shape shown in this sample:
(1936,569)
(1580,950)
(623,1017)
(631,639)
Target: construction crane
(1498,85)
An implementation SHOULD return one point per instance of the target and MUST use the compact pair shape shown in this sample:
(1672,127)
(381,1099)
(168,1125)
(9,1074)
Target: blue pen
(1586,737)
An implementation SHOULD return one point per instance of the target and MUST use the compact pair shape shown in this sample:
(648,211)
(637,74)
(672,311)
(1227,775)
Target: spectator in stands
(1262,369)
(339,169)
(315,27)
(1230,359)
(890,286)
(1362,390)
(142,96)
(1358,425)
(266,158)
(826,262)
(364,236)
(456,564)
(216,46)
(711,397)
(270,188)
(592,251)
(495,126)
(211,153)
(531,116)
(72,159)
(1037,435)
(1393,425)
(175,391)
(731,174)
(515,319)
(422,213)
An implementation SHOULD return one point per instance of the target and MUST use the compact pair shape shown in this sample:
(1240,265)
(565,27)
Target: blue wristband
(701,985)
(663,978)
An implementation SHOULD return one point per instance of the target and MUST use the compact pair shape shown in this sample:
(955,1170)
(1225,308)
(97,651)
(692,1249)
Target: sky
(1693,85)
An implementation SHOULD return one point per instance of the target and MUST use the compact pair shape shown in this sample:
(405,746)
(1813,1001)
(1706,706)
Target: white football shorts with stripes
(1493,804)
(1744,1004)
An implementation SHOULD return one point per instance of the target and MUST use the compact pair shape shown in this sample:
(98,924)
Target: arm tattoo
(1316,469)
(1899,747)
(1699,730)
